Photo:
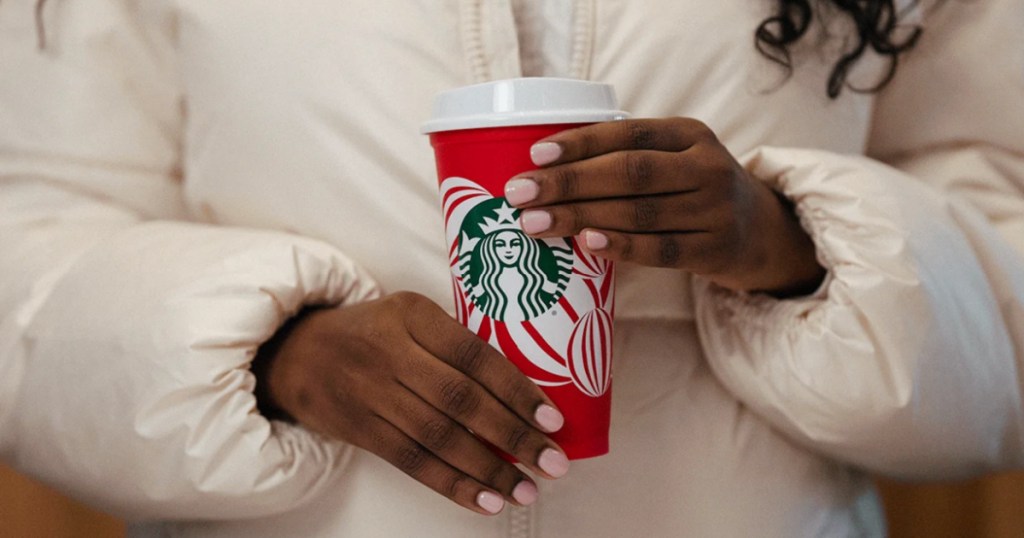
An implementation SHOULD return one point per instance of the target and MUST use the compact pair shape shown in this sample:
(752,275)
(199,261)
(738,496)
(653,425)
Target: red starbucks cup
(544,303)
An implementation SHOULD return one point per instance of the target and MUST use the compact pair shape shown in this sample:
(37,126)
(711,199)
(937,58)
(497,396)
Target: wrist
(791,262)
(781,258)
(267,366)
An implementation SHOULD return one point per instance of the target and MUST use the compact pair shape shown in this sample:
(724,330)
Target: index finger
(445,338)
(668,134)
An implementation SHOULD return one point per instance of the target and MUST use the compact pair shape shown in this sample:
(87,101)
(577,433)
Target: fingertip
(525,493)
(543,153)
(553,462)
(535,221)
(490,502)
(549,418)
(519,191)
(594,240)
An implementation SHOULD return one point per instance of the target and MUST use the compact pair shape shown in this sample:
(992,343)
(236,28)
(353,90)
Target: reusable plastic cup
(544,303)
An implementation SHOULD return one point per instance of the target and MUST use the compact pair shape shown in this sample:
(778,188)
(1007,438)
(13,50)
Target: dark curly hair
(876,22)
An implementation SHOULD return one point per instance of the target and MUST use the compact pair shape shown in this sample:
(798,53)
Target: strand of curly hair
(876,23)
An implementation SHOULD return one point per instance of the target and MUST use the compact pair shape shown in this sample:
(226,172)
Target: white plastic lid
(523,101)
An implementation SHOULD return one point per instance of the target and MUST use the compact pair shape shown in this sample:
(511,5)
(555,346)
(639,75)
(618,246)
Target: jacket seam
(472,40)
(583,38)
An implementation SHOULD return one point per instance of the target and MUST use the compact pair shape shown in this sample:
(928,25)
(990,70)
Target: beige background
(989,508)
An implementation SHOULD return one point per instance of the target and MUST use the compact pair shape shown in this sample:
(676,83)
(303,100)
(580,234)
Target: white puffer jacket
(177,177)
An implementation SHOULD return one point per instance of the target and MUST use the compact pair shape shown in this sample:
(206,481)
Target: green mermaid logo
(544,303)
(507,274)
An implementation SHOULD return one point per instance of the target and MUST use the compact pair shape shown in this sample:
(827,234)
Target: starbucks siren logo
(507,274)
(544,303)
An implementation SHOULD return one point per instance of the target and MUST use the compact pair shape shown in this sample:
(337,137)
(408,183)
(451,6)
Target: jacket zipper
(475,44)
(520,522)
(520,519)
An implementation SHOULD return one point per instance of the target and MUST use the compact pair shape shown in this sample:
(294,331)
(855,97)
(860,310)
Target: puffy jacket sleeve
(125,332)
(908,360)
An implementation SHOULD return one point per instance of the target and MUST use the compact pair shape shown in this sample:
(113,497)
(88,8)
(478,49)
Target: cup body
(546,304)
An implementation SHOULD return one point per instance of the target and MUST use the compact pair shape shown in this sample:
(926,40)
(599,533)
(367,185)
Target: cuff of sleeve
(871,368)
(136,394)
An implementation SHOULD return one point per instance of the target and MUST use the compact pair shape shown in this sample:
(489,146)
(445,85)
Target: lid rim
(523,101)
(482,121)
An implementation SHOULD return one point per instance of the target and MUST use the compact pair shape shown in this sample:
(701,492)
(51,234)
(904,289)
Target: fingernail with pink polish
(490,502)
(545,153)
(549,418)
(595,240)
(535,221)
(520,191)
(553,462)
(525,493)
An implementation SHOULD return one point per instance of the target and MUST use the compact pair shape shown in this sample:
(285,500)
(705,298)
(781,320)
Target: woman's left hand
(665,193)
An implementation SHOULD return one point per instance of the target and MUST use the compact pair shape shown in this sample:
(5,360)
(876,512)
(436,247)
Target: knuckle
(644,214)
(373,338)
(459,398)
(494,474)
(453,485)
(587,143)
(639,171)
(714,256)
(409,302)
(438,434)
(515,392)
(576,218)
(567,181)
(516,437)
(410,458)
(406,298)
(680,123)
(683,204)
(640,135)
(468,355)
(668,251)
(377,440)
(700,130)
(719,165)
(625,246)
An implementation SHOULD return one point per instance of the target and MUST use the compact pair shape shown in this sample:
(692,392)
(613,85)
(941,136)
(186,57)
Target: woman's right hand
(402,379)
